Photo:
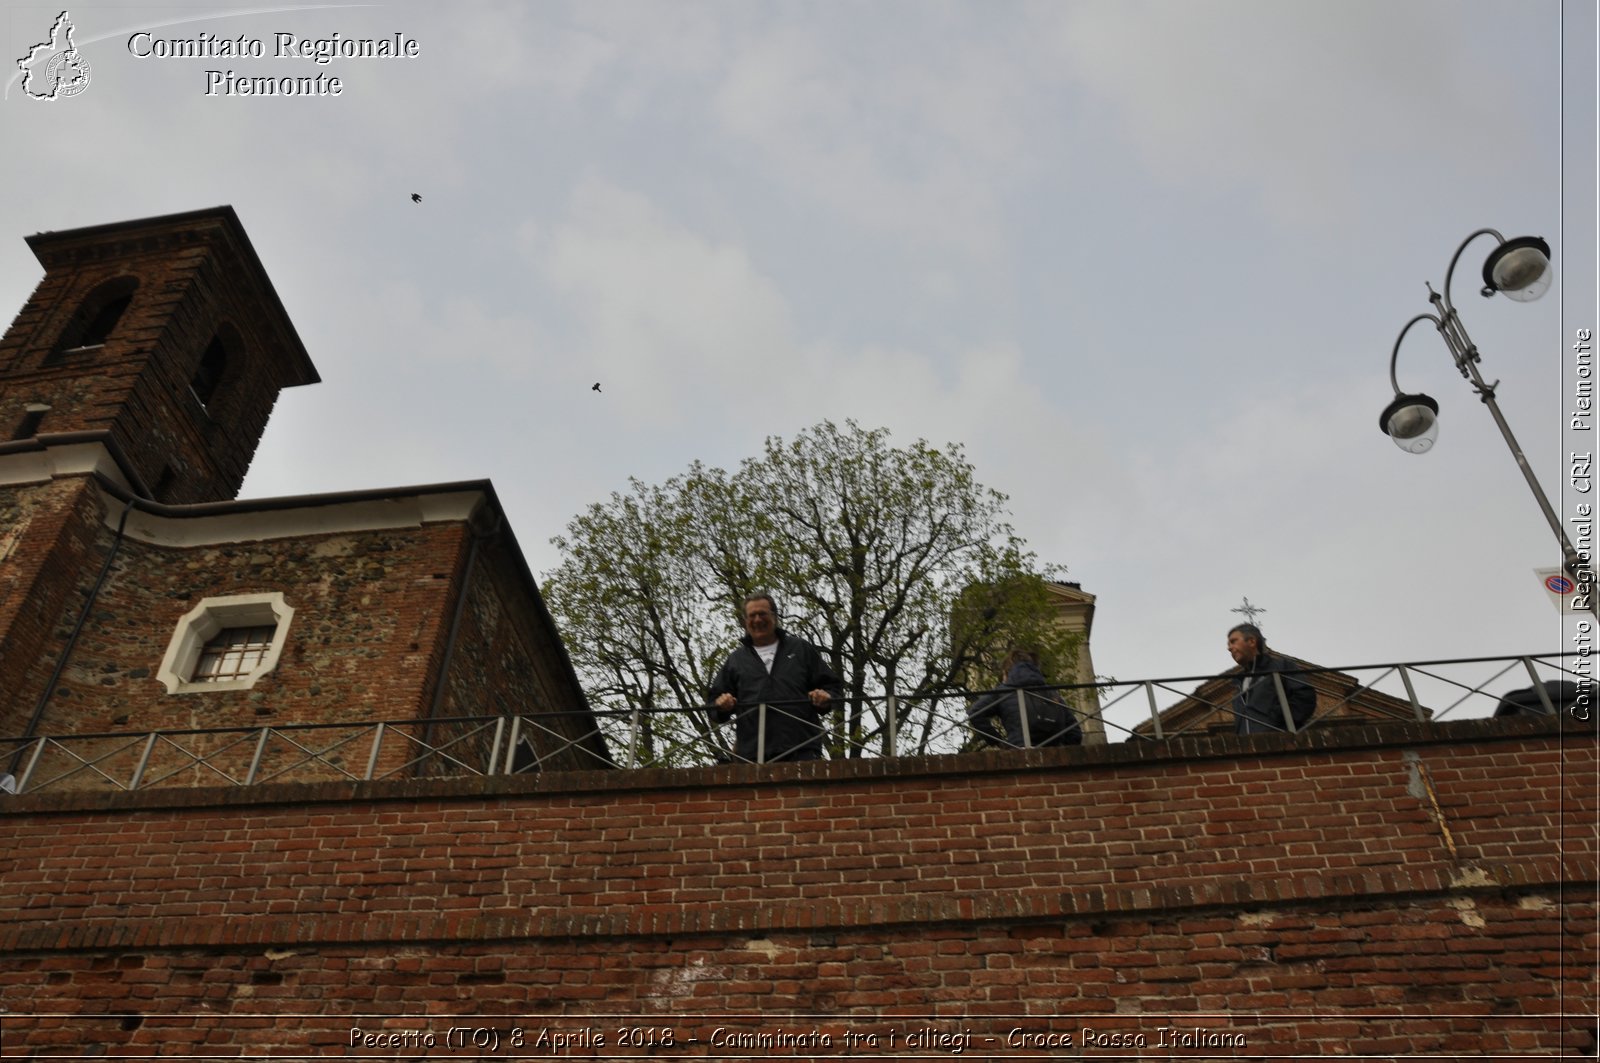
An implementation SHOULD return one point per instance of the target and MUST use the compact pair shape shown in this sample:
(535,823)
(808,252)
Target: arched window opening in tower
(95,320)
(209,376)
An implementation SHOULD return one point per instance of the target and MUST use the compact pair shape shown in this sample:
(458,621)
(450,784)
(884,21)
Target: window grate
(233,653)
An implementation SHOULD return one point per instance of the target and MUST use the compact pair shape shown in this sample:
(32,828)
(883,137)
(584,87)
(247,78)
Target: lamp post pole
(1519,269)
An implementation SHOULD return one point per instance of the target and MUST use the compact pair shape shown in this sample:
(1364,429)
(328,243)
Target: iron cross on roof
(1248,610)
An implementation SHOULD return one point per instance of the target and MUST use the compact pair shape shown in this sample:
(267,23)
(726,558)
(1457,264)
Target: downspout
(72,639)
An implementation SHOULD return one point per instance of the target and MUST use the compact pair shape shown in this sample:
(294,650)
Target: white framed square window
(226,643)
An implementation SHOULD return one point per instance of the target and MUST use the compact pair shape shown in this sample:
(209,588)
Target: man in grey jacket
(1256,707)
(782,672)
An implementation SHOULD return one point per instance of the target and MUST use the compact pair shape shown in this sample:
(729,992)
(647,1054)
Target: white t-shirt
(768,654)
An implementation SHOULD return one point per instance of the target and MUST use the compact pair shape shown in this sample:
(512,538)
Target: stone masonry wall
(364,644)
(370,608)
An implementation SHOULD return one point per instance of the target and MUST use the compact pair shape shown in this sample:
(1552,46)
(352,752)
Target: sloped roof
(1340,699)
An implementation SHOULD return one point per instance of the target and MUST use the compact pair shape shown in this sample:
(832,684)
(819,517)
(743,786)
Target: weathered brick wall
(202,451)
(1382,891)
(49,552)
(370,615)
(364,644)
(194,282)
(508,661)
(96,389)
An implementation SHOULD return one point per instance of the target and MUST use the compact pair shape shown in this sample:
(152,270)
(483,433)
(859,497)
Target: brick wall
(509,660)
(130,384)
(197,278)
(203,451)
(371,609)
(1381,891)
(368,632)
(374,609)
(50,553)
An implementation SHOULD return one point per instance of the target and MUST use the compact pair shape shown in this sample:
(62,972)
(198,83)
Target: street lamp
(1518,269)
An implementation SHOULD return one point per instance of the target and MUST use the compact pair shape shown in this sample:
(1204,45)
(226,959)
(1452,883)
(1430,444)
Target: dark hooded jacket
(1050,721)
(794,725)
(1255,707)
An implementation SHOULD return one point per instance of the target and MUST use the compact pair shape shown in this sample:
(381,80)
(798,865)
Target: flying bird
(595,388)
(415,198)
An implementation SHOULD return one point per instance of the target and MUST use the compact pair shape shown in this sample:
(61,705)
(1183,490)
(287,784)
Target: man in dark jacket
(782,672)
(1050,721)
(1256,707)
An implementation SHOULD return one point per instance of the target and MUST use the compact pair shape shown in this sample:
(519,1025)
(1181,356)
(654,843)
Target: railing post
(511,745)
(761,733)
(633,741)
(1283,702)
(144,761)
(255,759)
(1538,687)
(1155,713)
(377,744)
(891,726)
(1411,694)
(1022,717)
(33,762)
(494,746)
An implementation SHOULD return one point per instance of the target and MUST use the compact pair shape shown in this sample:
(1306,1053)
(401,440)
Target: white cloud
(1302,103)
(918,142)
(679,324)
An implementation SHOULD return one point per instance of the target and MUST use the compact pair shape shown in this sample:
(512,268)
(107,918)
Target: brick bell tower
(161,337)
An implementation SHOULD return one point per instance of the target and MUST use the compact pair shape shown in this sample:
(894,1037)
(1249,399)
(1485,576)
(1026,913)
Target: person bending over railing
(997,717)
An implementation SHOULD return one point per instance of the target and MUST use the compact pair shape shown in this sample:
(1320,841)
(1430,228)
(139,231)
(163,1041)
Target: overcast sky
(1145,261)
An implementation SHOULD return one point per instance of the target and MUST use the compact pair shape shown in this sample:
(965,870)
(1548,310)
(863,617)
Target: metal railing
(886,726)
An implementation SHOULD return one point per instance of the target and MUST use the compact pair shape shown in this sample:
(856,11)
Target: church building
(139,595)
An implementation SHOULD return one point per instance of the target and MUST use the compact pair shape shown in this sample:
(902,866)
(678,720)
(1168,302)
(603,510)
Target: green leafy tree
(895,562)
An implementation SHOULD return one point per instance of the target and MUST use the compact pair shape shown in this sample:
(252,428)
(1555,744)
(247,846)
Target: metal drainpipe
(455,630)
(72,639)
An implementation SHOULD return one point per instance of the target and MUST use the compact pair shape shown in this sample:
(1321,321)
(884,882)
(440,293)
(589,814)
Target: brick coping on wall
(569,783)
